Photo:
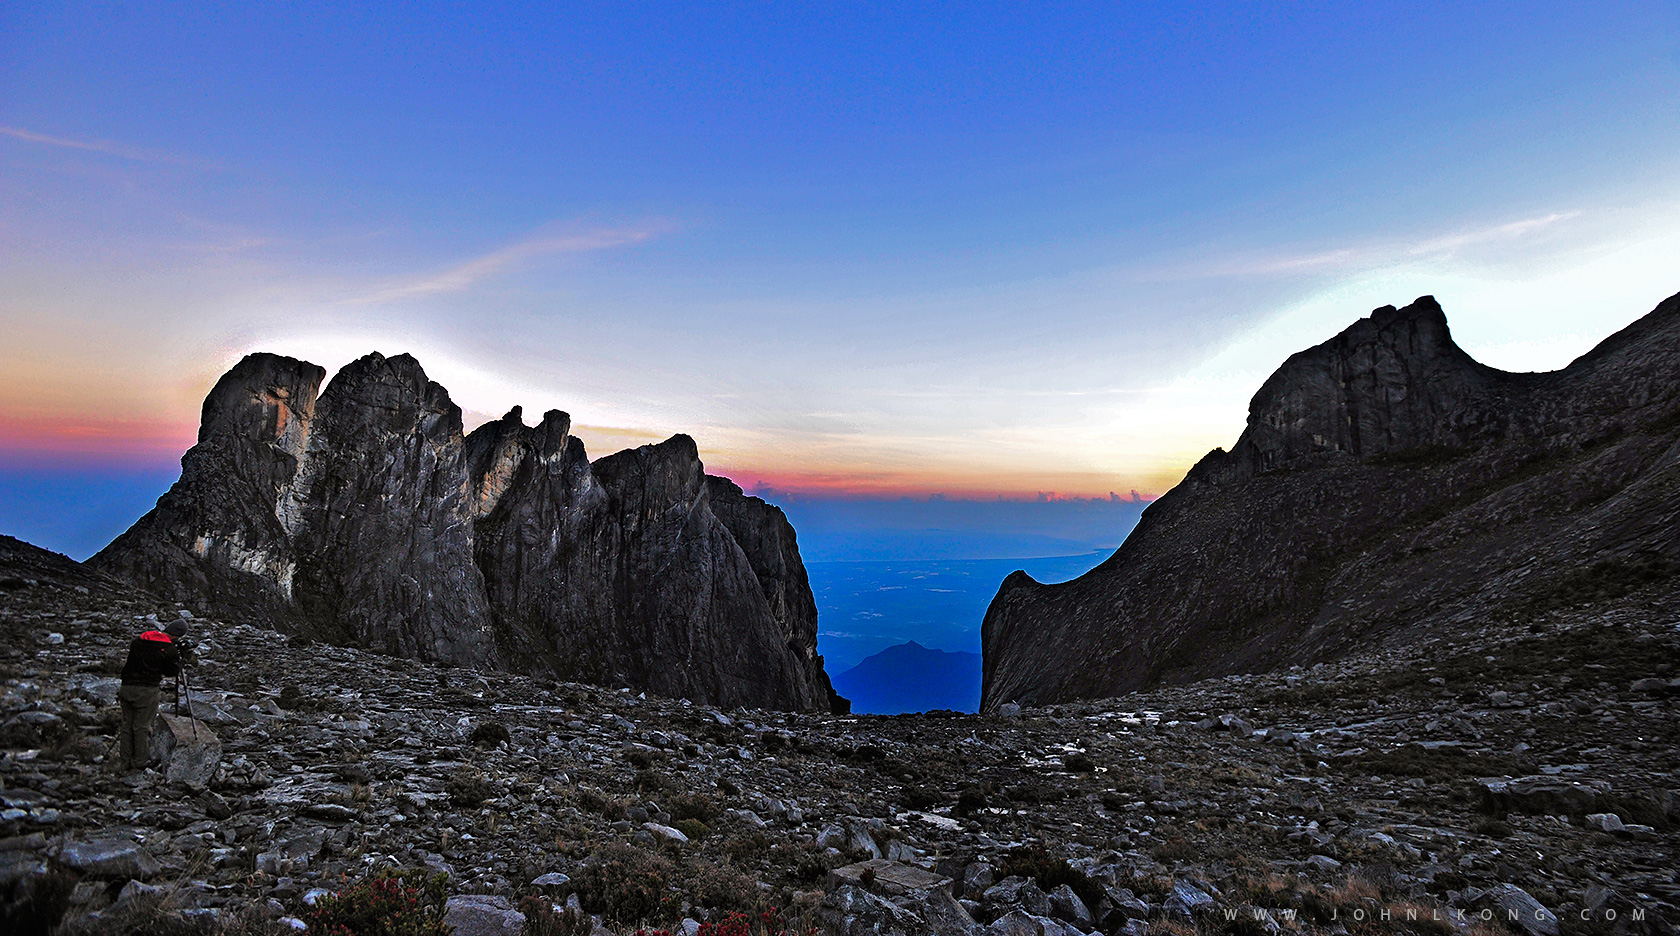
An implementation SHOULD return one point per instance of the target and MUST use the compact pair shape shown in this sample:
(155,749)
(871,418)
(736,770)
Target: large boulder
(1543,795)
(482,915)
(187,750)
(110,858)
(853,911)
(1517,909)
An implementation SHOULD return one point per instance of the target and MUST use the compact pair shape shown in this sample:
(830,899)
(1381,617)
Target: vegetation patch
(383,905)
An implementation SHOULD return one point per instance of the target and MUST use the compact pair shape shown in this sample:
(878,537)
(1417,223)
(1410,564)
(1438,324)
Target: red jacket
(151,657)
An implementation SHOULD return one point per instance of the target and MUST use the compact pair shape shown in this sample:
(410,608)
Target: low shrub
(720,887)
(625,884)
(804,864)
(1079,763)
(489,734)
(768,923)
(970,801)
(468,787)
(542,918)
(693,828)
(611,807)
(742,849)
(1050,873)
(694,806)
(383,905)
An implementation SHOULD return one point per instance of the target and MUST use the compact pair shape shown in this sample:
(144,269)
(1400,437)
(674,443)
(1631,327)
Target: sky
(857,251)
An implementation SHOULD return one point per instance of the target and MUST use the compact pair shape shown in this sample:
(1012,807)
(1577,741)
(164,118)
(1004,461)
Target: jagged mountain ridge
(1387,484)
(364,514)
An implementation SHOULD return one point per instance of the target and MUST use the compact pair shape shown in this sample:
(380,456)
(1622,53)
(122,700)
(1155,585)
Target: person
(152,656)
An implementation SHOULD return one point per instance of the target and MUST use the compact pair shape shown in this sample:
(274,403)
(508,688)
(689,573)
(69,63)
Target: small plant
(804,864)
(489,734)
(693,828)
(1050,873)
(384,905)
(542,918)
(694,806)
(744,848)
(720,887)
(611,807)
(468,787)
(970,801)
(769,923)
(1079,763)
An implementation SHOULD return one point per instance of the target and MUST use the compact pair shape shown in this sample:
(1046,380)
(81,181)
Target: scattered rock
(482,915)
(110,858)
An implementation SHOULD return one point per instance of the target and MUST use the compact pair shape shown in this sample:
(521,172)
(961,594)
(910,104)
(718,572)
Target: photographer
(152,656)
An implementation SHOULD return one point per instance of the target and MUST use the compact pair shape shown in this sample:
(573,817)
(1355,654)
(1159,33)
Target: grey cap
(176,629)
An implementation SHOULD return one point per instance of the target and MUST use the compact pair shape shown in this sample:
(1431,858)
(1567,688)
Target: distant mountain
(912,678)
(1388,488)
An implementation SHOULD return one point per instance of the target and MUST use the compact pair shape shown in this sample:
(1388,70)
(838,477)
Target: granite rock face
(366,516)
(1387,486)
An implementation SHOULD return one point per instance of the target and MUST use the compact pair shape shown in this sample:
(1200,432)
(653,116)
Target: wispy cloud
(1497,232)
(466,274)
(108,147)
(1365,256)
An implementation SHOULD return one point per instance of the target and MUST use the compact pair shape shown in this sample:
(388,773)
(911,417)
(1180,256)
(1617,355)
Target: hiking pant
(139,711)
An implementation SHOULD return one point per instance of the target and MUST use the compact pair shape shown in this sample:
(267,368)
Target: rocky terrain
(365,516)
(1521,767)
(1387,488)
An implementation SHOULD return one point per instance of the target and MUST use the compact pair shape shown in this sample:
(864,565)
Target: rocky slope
(364,515)
(1520,766)
(1387,486)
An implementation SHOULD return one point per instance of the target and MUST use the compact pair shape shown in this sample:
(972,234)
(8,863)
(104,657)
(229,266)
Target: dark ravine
(366,516)
(1387,486)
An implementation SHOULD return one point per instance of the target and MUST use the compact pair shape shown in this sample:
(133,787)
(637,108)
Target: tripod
(181,692)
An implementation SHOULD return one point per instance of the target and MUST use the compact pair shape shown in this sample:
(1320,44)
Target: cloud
(1360,257)
(464,275)
(108,147)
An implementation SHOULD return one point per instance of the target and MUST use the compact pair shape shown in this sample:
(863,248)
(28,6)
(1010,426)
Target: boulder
(1186,901)
(1022,923)
(1066,905)
(1516,908)
(187,751)
(853,911)
(1605,822)
(482,915)
(885,877)
(946,917)
(110,858)
(1542,795)
(1016,892)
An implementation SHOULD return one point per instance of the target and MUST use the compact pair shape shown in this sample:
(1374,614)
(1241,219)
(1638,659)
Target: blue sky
(854,250)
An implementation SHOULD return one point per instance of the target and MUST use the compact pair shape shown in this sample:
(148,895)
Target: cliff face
(1387,486)
(365,516)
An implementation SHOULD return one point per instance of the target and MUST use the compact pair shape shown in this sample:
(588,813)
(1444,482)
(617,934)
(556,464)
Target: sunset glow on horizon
(854,252)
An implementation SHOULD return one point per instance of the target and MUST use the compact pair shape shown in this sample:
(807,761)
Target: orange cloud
(104,437)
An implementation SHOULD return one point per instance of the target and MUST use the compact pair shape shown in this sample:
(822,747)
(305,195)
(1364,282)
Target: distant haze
(841,529)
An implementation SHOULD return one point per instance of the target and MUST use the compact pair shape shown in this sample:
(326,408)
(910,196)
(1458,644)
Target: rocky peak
(1392,382)
(265,398)
(366,516)
(1387,487)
